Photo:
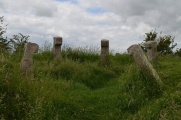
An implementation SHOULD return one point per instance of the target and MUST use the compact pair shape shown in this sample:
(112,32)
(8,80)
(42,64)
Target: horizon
(86,23)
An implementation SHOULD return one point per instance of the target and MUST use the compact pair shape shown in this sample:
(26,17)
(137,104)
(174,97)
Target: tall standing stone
(143,63)
(104,51)
(152,53)
(27,60)
(57,47)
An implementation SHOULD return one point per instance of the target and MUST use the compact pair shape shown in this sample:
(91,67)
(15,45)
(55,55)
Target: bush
(4,43)
(165,44)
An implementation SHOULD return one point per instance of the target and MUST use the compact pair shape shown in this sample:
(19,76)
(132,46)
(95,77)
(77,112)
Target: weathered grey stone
(2,57)
(152,54)
(104,43)
(57,47)
(143,63)
(104,50)
(27,60)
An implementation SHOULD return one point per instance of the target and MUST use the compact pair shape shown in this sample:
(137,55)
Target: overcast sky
(86,22)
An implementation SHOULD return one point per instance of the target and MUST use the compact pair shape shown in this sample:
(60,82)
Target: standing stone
(2,57)
(152,54)
(104,51)
(143,63)
(27,60)
(57,47)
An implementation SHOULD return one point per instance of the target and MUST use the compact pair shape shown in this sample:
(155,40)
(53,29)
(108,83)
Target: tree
(18,42)
(15,44)
(165,44)
(151,36)
(178,52)
(4,43)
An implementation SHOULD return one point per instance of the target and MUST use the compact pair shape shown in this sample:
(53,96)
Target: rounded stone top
(57,40)
(150,44)
(105,43)
(32,47)
(57,37)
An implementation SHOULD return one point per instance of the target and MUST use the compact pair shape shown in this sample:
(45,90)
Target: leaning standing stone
(143,63)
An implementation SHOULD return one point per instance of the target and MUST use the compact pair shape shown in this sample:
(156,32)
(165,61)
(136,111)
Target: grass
(80,88)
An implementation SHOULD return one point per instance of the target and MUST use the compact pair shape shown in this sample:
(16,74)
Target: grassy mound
(80,88)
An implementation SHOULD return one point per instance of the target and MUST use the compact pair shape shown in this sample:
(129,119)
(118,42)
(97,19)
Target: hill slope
(80,88)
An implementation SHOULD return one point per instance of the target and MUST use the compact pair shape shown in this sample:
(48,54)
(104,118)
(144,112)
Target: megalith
(152,53)
(57,47)
(104,51)
(142,62)
(27,60)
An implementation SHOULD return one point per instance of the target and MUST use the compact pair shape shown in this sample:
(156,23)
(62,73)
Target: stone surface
(142,62)
(27,60)
(152,53)
(104,50)
(57,47)
(104,43)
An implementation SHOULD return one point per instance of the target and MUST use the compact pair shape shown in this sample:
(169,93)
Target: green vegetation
(80,88)
(4,43)
(15,44)
(165,44)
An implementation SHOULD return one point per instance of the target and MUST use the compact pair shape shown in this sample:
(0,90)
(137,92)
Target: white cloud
(122,22)
(178,19)
(142,27)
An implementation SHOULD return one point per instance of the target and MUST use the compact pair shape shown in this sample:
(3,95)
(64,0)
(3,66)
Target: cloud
(44,9)
(36,7)
(82,22)
(162,15)
(1,4)
(145,10)
(70,1)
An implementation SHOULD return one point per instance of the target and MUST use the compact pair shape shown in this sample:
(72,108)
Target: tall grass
(80,88)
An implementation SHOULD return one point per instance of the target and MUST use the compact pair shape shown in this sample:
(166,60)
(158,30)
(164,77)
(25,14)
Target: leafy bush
(165,44)
(18,42)
(4,43)
(15,44)
(178,52)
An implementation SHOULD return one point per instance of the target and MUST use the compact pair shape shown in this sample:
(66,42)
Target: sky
(86,22)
